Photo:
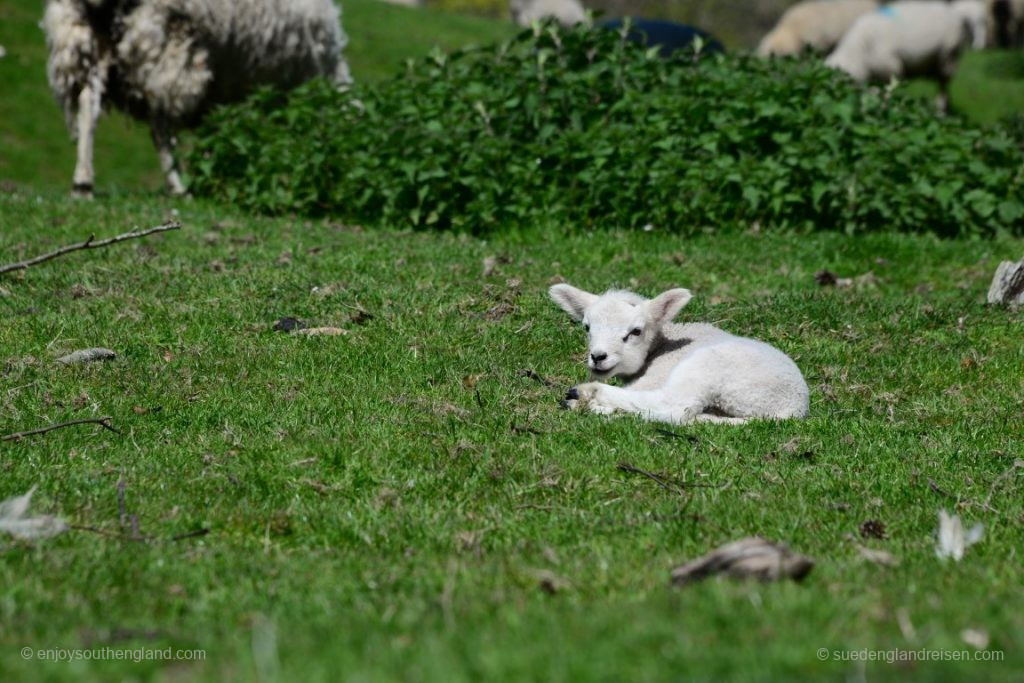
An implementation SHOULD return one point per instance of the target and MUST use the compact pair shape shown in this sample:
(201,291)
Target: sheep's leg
(605,399)
(85,131)
(942,99)
(342,75)
(164,141)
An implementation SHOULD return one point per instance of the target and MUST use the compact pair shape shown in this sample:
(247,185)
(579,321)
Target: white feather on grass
(953,541)
(14,521)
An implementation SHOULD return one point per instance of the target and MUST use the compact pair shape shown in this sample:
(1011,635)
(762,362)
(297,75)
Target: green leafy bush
(586,129)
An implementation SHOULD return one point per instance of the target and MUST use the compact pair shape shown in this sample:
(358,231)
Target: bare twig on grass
(90,243)
(195,533)
(102,421)
(1017,464)
(128,523)
(661,481)
(941,491)
(532,374)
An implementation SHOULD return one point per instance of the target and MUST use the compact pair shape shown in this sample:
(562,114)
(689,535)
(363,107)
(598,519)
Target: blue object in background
(668,36)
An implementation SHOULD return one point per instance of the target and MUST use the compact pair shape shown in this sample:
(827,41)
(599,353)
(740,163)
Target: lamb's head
(622,327)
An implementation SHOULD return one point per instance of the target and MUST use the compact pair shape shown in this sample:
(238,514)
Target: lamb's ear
(664,307)
(573,301)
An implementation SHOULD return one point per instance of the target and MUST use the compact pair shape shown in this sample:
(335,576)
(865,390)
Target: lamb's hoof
(81,190)
(571,400)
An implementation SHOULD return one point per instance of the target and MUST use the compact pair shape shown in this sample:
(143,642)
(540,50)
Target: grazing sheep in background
(1008,21)
(913,38)
(817,25)
(666,35)
(676,372)
(565,12)
(978,18)
(168,62)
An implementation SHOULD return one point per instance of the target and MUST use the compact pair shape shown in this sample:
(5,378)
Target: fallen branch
(941,491)
(101,421)
(661,481)
(88,244)
(195,533)
(665,482)
(1017,464)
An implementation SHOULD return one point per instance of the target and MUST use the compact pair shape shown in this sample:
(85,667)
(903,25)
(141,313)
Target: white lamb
(676,372)
(169,61)
(814,24)
(565,12)
(912,38)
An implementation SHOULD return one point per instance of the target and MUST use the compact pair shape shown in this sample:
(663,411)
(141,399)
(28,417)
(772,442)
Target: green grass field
(402,502)
(393,500)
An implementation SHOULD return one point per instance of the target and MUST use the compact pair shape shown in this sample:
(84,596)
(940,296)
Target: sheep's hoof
(571,400)
(81,190)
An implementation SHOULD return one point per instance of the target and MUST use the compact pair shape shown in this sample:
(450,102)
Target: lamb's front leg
(85,130)
(606,399)
(164,142)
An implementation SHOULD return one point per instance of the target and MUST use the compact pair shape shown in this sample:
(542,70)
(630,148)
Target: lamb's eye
(586,327)
(636,331)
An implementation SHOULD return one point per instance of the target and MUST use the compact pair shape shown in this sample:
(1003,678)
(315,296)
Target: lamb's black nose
(598,357)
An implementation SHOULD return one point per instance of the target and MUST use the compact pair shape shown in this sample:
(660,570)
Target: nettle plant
(583,128)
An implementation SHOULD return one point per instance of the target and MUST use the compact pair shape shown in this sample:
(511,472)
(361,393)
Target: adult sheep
(912,38)
(817,25)
(565,12)
(167,62)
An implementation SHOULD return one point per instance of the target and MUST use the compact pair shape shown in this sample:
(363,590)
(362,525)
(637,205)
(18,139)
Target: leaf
(14,522)
(87,356)
(953,540)
(752,557)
